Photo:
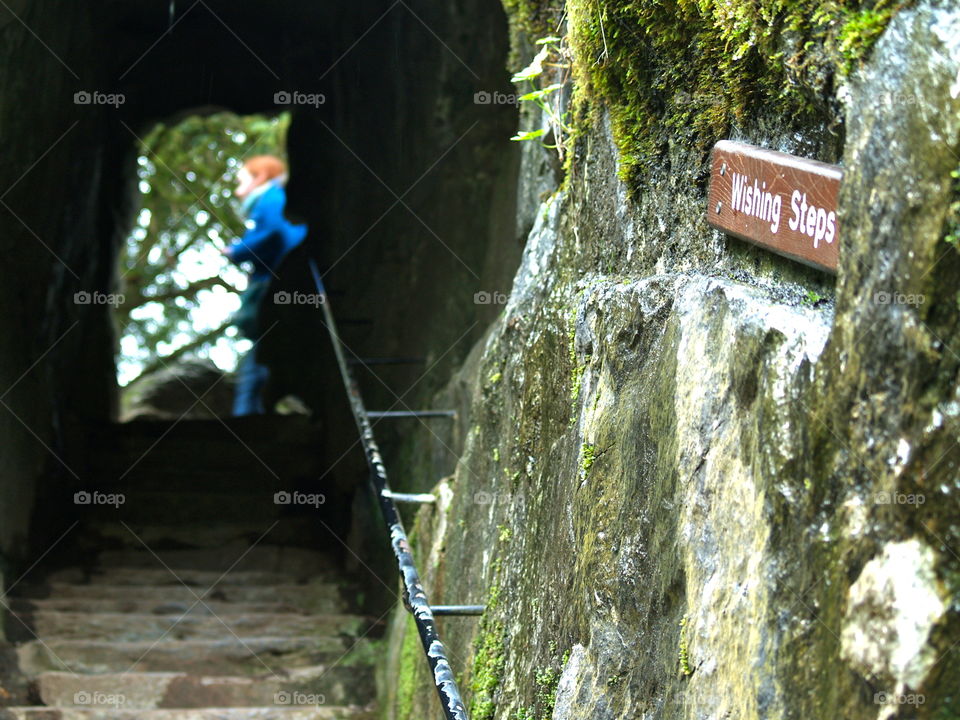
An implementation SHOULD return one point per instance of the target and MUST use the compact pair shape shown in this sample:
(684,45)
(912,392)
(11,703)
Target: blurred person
(269,237)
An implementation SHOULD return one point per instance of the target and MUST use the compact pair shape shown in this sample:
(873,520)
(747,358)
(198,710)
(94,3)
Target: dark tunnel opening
(407,185)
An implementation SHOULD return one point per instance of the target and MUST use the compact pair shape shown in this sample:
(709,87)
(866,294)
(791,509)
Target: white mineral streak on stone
(724,525)
(569,681)
(536,256)
(891,609)
(439,532)
(899,461)
(857,516)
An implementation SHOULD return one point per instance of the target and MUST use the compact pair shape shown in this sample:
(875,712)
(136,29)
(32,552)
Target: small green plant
(588,453)
(548,99)
(812,298)
(684,650)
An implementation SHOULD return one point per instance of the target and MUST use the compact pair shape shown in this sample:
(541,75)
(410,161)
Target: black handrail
(414,596)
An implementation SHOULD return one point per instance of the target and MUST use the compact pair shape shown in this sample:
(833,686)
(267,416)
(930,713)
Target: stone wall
(696,481)
(56,362)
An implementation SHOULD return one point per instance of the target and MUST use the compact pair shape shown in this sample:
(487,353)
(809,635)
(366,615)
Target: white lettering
(831,227)
(736,191)
(775,214)
(794,222)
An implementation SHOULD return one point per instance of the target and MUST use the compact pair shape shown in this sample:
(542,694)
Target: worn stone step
(254,713)
(252,429)
(160,472)
(191,478)
(337,685)
(287,530)
(177,507)
(120,604)
(231,557)
(227,441)
(177,576)
(309,597)
(201,657)
(131,627)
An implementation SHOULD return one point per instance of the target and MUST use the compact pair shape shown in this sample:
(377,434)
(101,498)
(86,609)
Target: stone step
(143,506)
(310,597)
(336,685)
(250,473)
(252,429)
(165,533)
(23,606)
(201,657)
(235,556)
(176,576)
(131,627)
(254,713)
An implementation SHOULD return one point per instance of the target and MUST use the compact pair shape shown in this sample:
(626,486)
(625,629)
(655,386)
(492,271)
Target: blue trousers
(251,377)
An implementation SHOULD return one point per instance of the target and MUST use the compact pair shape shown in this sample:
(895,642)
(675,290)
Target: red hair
(265,167)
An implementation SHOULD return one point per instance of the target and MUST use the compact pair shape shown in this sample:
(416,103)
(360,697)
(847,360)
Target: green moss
(495,378)
(684,72)
(588,453)
(534,18)
(576,382)
(411,658)
(859,32)
(489,657)
(487,671)
(547,681)
(684,650)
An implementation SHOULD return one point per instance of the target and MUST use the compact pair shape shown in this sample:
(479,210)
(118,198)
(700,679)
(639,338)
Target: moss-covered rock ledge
(684,488)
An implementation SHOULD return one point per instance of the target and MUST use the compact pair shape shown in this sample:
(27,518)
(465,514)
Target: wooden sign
(778,201)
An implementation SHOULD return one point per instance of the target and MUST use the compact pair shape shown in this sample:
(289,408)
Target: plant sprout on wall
(552,59)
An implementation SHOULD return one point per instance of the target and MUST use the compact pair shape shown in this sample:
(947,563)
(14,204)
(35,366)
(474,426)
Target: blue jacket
(270,236)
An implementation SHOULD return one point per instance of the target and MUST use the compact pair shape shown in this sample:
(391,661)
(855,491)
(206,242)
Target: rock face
(682,490)
(190,389)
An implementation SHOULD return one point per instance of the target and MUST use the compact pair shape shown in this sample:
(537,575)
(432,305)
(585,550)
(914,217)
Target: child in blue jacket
(269,237)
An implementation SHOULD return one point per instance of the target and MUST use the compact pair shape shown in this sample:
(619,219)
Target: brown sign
(781,202)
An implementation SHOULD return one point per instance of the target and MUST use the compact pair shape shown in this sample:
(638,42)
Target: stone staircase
(199,597)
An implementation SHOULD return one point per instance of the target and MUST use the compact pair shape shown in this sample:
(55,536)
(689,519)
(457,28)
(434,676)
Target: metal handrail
(414,596)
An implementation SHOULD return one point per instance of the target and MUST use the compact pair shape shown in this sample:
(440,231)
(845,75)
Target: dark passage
(152,566)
